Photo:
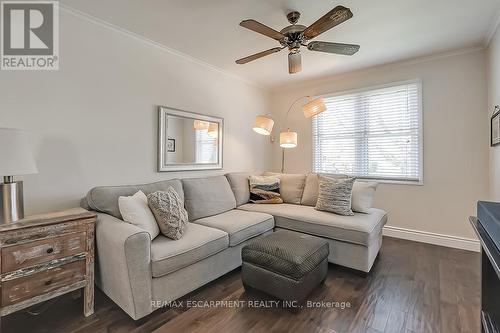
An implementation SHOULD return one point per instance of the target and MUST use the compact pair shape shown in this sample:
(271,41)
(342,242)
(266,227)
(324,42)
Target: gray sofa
(140,274)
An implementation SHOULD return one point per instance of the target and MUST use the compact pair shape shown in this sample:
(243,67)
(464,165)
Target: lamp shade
(314,107)
(288,139)
(16,157)
(201,125)
(213,130)
(263,125)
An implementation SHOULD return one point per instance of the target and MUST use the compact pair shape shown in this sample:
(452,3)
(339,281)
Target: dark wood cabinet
(490,279)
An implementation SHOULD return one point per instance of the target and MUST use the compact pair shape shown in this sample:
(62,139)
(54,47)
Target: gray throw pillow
(168,209)
(335,195)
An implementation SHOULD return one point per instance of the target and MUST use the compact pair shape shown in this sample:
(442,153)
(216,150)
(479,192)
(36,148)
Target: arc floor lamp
(289,139)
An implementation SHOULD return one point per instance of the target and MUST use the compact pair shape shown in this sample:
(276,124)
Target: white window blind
(374,134)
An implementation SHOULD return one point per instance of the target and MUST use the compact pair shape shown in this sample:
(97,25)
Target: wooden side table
(45,256)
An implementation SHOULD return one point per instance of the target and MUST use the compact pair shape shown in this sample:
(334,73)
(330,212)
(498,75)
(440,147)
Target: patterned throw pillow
(335,195)
(168,209)
(265,189)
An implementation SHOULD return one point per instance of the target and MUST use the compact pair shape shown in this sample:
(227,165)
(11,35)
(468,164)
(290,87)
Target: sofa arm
(124,264)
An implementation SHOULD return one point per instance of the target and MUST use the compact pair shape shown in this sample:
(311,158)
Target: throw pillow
(135,210)
(265,189)
(168,208)
(335,195)
(362,196)
(311,188)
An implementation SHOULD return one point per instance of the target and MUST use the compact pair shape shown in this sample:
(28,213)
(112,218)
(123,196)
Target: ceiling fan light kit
(295,35)
(294,62)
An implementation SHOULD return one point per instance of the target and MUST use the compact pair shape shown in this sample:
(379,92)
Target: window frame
(419,84)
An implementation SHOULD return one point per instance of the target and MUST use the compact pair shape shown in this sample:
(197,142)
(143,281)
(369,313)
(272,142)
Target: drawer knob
(48,283)
(50,250)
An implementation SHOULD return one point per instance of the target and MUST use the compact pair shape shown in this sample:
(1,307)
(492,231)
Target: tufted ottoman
(285,264)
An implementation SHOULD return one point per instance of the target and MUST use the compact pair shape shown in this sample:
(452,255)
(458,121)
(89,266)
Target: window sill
(392,182)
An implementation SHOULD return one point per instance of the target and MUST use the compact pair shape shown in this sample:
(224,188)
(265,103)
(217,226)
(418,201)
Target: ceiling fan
(295,35)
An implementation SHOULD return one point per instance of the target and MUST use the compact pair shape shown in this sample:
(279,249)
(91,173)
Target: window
(372,134)
(206,147)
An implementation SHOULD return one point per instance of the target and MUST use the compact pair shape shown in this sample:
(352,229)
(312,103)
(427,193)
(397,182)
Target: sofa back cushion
(104,199)
(363,192)
(207,196)
(311,188)
(291,186)
(240,186)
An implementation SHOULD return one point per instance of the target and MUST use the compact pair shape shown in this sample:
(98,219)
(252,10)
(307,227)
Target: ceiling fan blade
(337,48)
(294,62)
(258,55)
(333,18)
(262,29)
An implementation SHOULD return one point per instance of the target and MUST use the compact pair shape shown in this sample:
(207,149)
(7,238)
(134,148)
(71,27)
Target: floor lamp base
(11,202)
(282,160)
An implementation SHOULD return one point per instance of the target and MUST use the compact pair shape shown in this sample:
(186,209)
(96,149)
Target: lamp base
(11,202)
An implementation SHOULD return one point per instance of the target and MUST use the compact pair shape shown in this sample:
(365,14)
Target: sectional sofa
(140,274)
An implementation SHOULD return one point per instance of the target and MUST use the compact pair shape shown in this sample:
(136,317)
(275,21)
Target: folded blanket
(265,189)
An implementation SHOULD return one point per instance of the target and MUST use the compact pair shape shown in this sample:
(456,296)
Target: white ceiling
(387,30)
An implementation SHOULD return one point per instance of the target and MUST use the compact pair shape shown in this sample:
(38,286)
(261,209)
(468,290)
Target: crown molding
(387,66)
(436,56)
(141,38)
(95,20)
(492,30)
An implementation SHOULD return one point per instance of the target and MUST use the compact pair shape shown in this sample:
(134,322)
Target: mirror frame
(163,166)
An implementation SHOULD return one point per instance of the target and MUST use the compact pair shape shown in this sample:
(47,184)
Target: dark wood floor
(413,287)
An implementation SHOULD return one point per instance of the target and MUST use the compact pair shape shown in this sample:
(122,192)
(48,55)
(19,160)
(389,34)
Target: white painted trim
(492,30)
(432,57)
(462,243)
(312,82)
(115,28)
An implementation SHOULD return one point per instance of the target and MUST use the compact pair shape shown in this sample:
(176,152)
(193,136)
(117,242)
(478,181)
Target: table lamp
(16,158)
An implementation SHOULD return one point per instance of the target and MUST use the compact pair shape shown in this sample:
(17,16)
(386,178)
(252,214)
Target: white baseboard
(468,244)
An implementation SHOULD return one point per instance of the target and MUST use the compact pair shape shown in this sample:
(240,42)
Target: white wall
(493,54)
(455,139)
(94,121)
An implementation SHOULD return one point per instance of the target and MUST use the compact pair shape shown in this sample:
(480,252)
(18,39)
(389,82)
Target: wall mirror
(189,141)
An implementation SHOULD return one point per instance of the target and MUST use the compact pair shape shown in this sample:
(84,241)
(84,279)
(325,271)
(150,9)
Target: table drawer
(29,254)
(23,288)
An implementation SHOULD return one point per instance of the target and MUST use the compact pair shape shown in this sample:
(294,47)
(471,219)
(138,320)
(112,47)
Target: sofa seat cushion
(197,243)
(239,224)
(360,229)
